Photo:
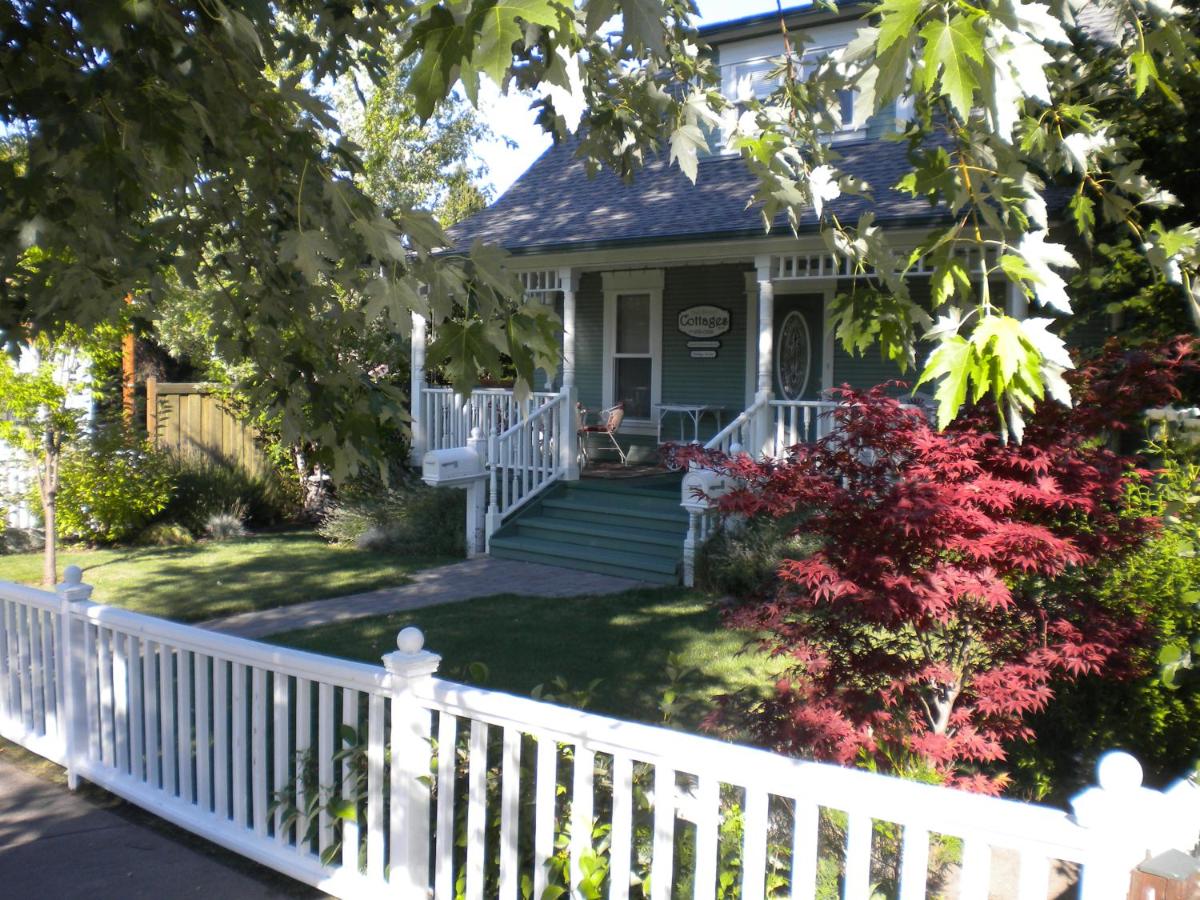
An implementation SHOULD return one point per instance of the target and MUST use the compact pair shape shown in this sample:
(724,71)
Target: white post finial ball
(410,640)
(1118,771)
(73,575)
(476,432)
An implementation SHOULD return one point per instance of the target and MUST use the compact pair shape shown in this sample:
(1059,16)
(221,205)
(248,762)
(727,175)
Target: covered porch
(709,345)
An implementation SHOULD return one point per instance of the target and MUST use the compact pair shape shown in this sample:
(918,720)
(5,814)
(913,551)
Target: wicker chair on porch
(610,423)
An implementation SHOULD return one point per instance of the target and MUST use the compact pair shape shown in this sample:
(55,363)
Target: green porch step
(633,529)
(638,566)
(589,534)
(606,513)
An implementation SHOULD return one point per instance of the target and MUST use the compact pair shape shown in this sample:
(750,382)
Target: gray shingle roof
(555,206)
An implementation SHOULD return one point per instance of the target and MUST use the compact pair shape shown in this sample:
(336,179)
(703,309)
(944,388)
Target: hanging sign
(704,345)
(704,354)
(704,321)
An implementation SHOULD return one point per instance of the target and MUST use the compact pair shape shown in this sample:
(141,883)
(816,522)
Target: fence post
(477,498)
(1127,822)
(411,668)
(73,666)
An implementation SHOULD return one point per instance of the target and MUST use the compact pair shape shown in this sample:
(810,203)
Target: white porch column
(1018,303)
(569,443)
(766,352)
(416,402)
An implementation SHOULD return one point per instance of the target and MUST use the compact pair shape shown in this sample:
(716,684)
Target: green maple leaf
(950,48)
(467,347)
(309,251)
(896,22)
(644,24)
(951,365)
(439,39)
(500,29)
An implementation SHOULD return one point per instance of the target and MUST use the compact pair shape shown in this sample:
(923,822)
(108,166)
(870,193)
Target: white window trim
(643,281)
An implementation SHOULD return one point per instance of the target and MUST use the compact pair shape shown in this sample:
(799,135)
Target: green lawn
(625,640)
(211,579)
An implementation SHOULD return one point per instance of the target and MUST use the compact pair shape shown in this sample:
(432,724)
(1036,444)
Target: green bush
(205,488)
(165,534)
(743,560)
(110,487)
(410,520)
(1156,722)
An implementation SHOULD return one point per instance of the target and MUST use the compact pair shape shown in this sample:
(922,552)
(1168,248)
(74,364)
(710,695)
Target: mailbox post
(463,467)
(700,490)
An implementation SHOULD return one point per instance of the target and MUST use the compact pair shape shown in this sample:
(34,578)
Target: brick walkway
(483,577)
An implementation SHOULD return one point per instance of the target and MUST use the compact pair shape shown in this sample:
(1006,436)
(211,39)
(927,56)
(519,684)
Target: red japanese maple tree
(954,583)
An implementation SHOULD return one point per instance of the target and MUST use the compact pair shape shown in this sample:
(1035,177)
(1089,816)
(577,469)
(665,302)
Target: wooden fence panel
(191,420)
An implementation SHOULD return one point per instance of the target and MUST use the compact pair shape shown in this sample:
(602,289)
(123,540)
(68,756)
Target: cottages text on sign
(704,321)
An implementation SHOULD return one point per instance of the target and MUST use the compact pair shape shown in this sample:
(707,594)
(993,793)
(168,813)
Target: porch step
(631,529)
(638,566)
(604,513)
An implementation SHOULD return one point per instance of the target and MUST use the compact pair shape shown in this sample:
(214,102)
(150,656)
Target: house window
(633,364)
(752,80)
(633,344)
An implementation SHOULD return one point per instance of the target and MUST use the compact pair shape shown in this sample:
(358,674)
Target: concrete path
(54,843)
(482,577)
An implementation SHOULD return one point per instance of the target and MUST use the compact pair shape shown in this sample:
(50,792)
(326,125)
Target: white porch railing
(367,781)
(795,422)
(447,418)
(768,428)
(527,458)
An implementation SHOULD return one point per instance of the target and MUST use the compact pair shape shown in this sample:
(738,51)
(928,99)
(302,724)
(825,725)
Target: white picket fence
(414,783)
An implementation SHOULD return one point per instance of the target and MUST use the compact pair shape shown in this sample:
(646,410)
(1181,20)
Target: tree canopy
(167,138)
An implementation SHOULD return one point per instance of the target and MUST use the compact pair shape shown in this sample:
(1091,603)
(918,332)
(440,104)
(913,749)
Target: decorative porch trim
(541,284)
(786,267)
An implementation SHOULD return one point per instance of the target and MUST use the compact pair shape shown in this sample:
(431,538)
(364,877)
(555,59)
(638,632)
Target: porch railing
(795,422)
(386,781)
(741,431)
(447,418)
(527,458)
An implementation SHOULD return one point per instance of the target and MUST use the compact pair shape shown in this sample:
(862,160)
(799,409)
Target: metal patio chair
(611,419)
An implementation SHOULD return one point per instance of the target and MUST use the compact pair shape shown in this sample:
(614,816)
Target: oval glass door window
(793,356)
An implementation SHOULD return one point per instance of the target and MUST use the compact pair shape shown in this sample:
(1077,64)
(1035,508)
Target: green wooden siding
(721,381)
(589,340)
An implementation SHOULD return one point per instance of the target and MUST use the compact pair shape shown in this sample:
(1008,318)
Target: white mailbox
(456,467)
(713,485)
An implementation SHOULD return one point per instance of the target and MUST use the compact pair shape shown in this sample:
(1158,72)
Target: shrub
(165,534)
(111,486)
(1155,719)
(409,520)
(205,488)
(225,526)
(957,579)
(744,562)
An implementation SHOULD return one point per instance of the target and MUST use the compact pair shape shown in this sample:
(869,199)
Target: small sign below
(704,321)
(704,354)
(704,345)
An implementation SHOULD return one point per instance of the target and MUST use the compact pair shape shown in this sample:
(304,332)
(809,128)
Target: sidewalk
(482,577)
(54,843)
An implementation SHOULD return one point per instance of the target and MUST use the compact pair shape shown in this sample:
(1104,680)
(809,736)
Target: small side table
(696,411)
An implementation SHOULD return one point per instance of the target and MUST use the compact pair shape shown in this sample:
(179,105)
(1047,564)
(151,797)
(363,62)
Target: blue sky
(510,117)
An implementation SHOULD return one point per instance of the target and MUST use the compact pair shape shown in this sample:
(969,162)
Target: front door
(799,343)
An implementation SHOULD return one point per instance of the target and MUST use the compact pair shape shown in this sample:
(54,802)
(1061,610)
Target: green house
(679,306)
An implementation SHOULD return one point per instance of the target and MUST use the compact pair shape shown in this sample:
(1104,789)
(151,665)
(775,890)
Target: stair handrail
(738,431)
(524,460)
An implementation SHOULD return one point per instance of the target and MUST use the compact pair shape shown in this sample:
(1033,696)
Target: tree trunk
(314,495)
(49,516)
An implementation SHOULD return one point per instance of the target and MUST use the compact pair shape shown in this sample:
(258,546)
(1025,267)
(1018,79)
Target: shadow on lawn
(625,640)
(208,580)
